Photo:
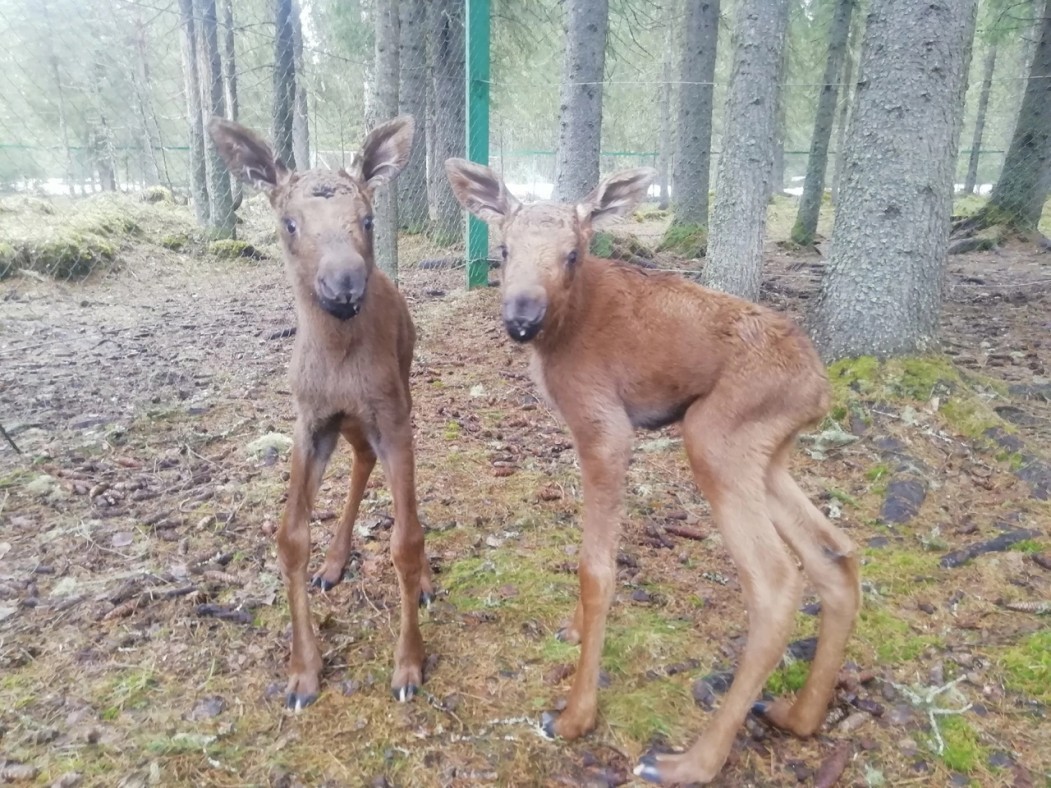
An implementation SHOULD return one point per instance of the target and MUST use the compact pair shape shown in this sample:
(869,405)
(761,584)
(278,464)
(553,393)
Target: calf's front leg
(604,450)
(312,447)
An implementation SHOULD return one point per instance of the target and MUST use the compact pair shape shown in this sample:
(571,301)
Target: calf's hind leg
(828,559)
(730,468)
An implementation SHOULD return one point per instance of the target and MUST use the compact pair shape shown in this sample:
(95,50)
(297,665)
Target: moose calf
(350,377)
(615,347)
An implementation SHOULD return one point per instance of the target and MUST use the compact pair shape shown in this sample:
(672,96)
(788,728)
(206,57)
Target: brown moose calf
(615,347)
(350,377)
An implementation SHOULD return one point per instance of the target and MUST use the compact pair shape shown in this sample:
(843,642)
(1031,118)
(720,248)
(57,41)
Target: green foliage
(175,241)
(889,636)
(156,194)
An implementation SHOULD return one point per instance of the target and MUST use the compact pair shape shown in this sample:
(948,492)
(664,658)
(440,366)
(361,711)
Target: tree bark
(665,145)
(447,108)
(151,170)
(882,291)
(300,117)
(988,67)
(385,106)
(230,84)
(846,101)
(1019,195)
(412,98)
(691,177)
(221,210)
(580,111)
(194,112)
(817,164)
(284,82)
(735,244)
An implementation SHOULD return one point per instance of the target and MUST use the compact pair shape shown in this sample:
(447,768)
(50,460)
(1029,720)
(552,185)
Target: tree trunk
(284,82)
(846,101)
(691,175)
(777,172)
(194,112)
(664,137)
(384,107)
(151,170)
(882,292)
(230,84)
(1019,195)
(412,98)
(221,210)
(300,117)
(735,244)
(63,120)
(988,67)
(817,163)
(580,111)
(447,107)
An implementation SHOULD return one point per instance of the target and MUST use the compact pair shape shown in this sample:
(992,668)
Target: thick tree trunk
(846,101)
(194,112)
(284,82)
(300,117)
(144,105)
(777,172)
(221,210)
(817,163)
(735,244)
(882,292)
(447,107)
(580,112)
(230,84)
(1019,195)
(691,176)
(384,107)
(988,67)
(412,98)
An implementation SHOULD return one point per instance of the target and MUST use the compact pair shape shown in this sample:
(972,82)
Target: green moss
(1029,546)
(651,214)
(452,430)
(788,679)
(899,571)
(155,194)
(106,221)
(689,240)
(657,708)
(969,417)
(66,255)
(853,375)
(638,638)
(175,241)
(9,257)
(963,752)
(968,204)
(602,245)
(1027,666)
(878,471)
(232,249)
(890,637)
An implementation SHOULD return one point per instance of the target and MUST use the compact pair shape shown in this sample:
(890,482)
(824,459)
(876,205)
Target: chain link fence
(96,98)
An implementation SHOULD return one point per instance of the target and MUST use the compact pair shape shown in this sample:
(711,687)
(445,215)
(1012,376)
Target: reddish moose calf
(350,377)
(615,347)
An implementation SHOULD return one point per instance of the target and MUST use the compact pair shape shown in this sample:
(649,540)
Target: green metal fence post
(477,90)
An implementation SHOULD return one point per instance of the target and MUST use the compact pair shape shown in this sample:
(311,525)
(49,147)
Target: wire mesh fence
(112,98)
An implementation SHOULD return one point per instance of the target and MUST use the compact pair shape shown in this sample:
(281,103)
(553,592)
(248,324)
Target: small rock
(900,715)
(14,772)
(927,608)
(122,539)
(68,780)
(1001,759)
(641,596)
(903,500)
(853,722)
(207,708)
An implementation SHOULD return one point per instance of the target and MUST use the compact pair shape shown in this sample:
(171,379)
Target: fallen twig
(686,533)
(10,440)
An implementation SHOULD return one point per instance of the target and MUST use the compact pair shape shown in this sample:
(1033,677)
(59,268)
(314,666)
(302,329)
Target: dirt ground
(143,626)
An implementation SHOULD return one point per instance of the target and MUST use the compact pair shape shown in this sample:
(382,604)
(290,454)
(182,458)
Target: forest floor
(143,625)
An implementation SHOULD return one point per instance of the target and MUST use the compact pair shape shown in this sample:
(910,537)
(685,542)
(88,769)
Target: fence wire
(104,105)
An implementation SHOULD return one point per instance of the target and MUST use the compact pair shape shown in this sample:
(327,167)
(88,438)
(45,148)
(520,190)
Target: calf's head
(543,243)
(324,216)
